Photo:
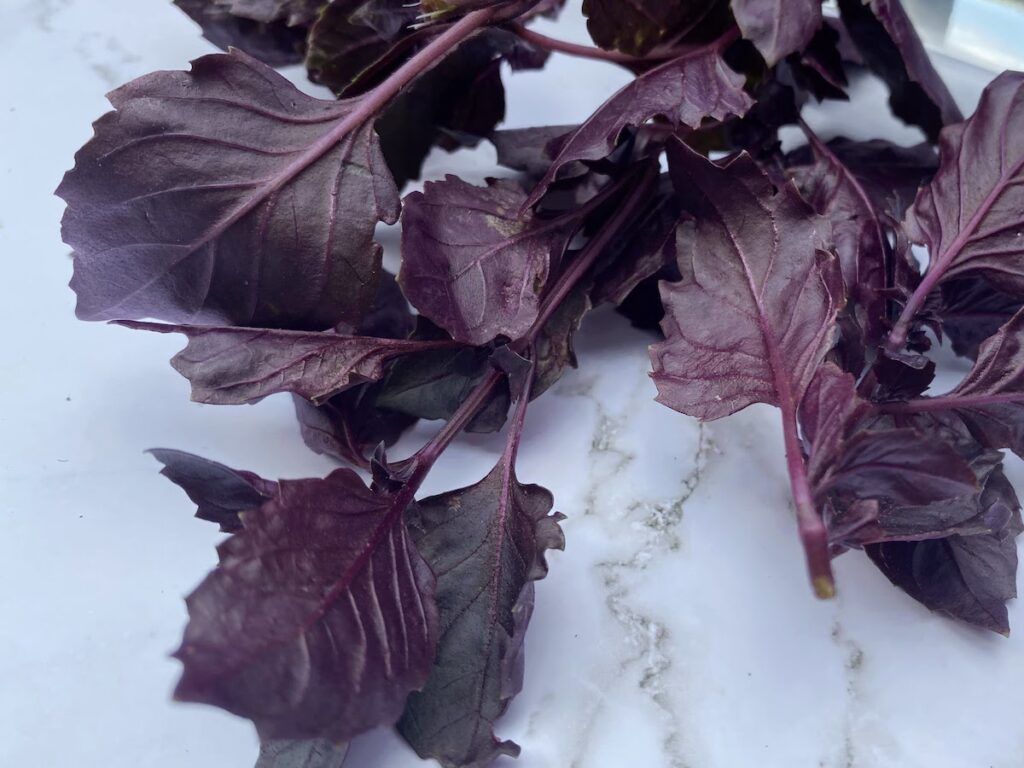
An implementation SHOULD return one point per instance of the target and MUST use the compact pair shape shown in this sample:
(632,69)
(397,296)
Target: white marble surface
(676,631)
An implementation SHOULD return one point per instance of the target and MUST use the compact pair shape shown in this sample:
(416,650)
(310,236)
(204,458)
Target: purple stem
(589,255)
(368,106)
(813,533)
(937,270)
(947,402)
(586,51)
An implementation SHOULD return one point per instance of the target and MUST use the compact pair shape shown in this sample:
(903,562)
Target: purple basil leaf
(352,35)
(754,313)
(472,264)
(219,492)
(637,26)
(553,349)
(900,465)
(859,238)
(685,91)
(901,375)
(970,216)
(990,399)
(829,413)
(486,543)
(319,619)
(967,577)
(972,310)
(230,366)
(350,425)
(819,68)
(988,511)
(432,385)
(456,103)
(778,27)
(320,753)
(224,194)
(276,42)
(531,150)
(645,247)
(389,317)
(293,12)
(890,174)
(891,48)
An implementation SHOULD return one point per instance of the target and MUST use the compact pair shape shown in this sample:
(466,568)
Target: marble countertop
(676,630)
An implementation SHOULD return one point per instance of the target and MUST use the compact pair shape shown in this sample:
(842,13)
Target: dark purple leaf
(230,366)
(350,425)
(319,619)
(352,35)
(275,42)
(890,174)
(219,492)
(684,91)
(971,216)
(389,317)
(990,399)
(778,27)
(819,68)
(901,375)
(829,414)
(858,236)
(891,48)
(553,349)
(753,315)
(988,511)
(646,246)
(900,465)
(432,385)
(972,310)
(486,543)
(224,194)
(456,103)
(531,150)
(967,577)
(292,12)
(472,263)
(302,754)
(637,26)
